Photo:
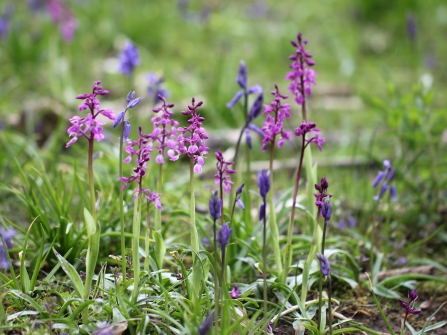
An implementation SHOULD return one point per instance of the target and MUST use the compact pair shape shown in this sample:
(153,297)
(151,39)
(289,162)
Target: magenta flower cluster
(90,126)
(165,129)
(302,76)
(306,127)
(191,139)
(141,149)
(223,172)
(273,125)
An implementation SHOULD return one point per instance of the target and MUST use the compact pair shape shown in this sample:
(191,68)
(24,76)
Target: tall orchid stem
(264,258)
(157,223)
(146,240)
(121,200)
(289,247)
(272,215)
(196,271)
(90,176)
(89,276)
(136,244)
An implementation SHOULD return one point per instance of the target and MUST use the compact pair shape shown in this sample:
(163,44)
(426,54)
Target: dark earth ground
(363,310)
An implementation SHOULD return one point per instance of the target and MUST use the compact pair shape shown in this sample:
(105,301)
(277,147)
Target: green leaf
(89,222)
(71,273)
(30,300)
(385,292)
(160,248)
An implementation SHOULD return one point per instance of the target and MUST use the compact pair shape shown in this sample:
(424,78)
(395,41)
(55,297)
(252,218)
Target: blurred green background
(379,95)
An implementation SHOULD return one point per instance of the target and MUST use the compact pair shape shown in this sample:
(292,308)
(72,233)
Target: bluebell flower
(223,236)
(129,59)
(324,264)
(7,236)
(155,88)
(215,205)
(384,179)
(206,325)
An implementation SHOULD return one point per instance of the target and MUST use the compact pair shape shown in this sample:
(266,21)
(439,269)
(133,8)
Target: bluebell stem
(215,205)
(384,178)
(129,59)
(206,325)
(325,268)
(264,187)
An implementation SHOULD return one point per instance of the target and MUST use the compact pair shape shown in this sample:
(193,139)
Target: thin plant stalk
(196,272)
(146,240)
(330,306)
(264,259)
(136,244)
(272,217)
(315,244)
(89,274)
(157,222)
(215,277)
(289,246)
(121,201)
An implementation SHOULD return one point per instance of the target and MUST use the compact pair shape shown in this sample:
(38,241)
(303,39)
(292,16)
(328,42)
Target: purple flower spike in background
(191,139)
(90,126)
(235,293)
(223,172)
(302,76)
(223,236)
(324,264)
(5,18)
(155,88)
(273,125)
(165,130)
(384,178)
(63,17)
(129,59)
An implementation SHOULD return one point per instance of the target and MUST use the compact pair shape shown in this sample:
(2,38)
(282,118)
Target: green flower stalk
(125,130)
(264,187)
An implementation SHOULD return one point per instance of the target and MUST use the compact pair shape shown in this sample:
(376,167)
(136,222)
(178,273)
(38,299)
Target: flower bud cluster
(223,172)
(301,76)
(273,125)
(191,139)
(165,129)
(90,126)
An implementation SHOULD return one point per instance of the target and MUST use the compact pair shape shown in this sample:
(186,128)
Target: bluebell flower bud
(239,189)
(242,75)
(130,96)
(255,128)
(256,108)
(248,139)
(223,236)
(264,182)
(257,89)
(326,209)
(206,325)
(378,178)
(133,103)
(215,206)
(240,203)
(126,130)
(324,264)
(235,99)
(118,119)
(393,193)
